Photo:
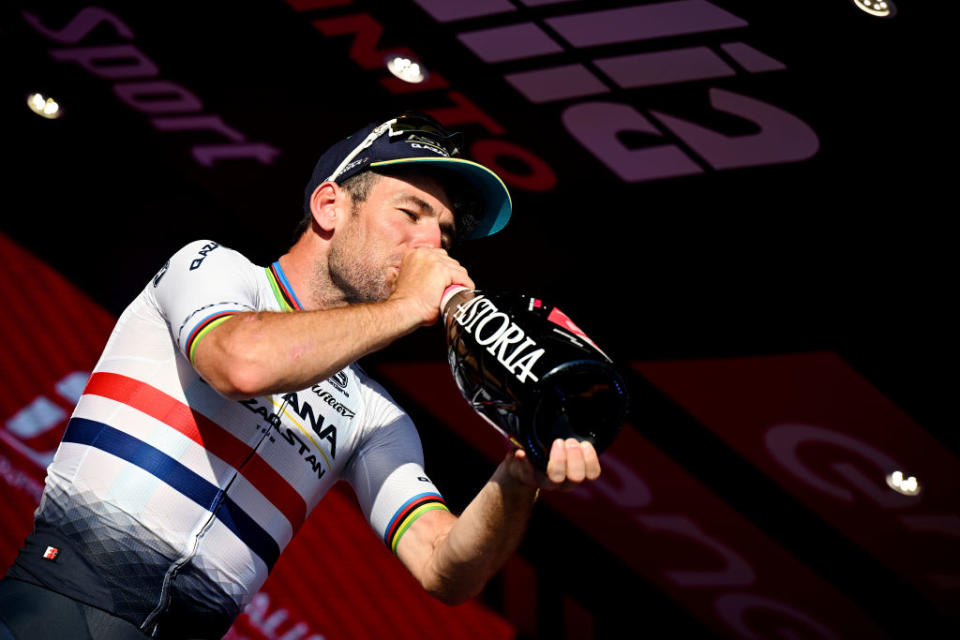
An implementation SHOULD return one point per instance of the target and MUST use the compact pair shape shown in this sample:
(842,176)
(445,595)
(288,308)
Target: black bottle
(526,368)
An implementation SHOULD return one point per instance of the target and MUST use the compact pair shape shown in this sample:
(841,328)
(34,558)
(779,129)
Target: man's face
(373,236)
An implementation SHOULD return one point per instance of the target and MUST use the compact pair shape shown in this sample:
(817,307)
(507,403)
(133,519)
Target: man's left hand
(571,462)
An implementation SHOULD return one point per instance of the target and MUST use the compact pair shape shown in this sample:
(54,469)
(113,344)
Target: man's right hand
(424,274)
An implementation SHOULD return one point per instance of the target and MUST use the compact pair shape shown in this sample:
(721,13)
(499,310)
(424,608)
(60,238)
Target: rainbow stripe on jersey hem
(408,513)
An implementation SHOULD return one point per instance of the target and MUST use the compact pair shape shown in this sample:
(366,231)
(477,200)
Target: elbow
(452,601)
(242,379)
(238,386)
(450,576)
(455,588)
(451,596)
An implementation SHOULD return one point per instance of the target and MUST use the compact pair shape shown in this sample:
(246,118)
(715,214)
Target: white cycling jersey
(168,502)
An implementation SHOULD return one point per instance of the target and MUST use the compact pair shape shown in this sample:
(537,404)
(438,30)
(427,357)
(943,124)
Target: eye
(413,215)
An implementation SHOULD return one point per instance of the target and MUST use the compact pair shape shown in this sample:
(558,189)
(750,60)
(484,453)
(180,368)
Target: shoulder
(195,254)
(204,277)
(200,258)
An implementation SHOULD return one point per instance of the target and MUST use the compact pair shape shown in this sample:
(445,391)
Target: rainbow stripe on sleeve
(204,327)
(406,514)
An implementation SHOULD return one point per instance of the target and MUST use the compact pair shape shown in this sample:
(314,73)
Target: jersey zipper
(180,562)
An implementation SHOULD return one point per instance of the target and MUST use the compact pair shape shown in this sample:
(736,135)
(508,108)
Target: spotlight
(407,69)
(878,8)
(44,106)
(900,483)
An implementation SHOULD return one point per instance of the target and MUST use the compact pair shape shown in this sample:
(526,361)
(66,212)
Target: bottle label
(561,319)
(503,338)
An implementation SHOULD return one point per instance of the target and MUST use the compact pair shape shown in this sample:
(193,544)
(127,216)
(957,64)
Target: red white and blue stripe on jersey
(222,444)
(203,431)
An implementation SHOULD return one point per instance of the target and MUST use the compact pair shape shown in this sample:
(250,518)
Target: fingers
(459,275)
(557,465)
(423,275)
(521,468)
(437,263)
(571,462)
(591,461)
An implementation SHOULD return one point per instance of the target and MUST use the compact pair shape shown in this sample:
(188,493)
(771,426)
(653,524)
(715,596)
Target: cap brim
(495,202)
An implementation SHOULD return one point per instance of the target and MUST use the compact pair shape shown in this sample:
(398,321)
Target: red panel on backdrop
(52,336)
(335,578)
(830,438)
(672,530)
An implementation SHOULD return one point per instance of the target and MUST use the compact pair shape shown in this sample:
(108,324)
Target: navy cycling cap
(414,138)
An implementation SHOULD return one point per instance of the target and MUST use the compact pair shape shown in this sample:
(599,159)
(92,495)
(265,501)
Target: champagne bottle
(529,371)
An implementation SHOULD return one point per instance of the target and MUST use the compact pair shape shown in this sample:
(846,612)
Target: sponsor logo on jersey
(339,381)
(306,413)
(207,248)
(503,337)
(327,397)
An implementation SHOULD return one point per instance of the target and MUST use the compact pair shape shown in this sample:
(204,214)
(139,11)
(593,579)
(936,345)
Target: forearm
(453,558)
(266,352)
(481,540)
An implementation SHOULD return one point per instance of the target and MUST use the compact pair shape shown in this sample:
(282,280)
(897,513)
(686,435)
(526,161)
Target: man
(227,401)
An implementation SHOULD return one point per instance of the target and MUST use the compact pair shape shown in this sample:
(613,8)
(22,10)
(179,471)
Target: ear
(324,205)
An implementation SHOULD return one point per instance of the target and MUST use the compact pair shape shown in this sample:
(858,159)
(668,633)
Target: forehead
(413,182)
(414,189)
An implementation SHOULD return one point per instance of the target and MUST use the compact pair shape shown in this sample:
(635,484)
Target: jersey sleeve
(386,471)
(201,286)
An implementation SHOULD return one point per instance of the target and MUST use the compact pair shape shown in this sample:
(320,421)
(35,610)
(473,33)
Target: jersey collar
(282,289)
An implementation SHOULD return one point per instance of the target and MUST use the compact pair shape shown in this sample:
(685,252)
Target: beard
(358,281)
(357,275)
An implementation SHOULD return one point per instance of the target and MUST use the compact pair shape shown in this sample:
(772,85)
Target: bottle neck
(449,292)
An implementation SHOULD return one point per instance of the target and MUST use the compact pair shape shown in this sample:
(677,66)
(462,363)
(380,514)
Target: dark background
(849,251)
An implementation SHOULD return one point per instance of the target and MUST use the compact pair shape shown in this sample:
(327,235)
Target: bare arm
(264,352)
(256,353)
(453,558)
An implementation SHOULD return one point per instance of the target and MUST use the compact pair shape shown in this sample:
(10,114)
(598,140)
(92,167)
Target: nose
(427,234)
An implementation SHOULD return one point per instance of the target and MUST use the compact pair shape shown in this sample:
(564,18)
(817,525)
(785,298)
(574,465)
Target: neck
(305,266)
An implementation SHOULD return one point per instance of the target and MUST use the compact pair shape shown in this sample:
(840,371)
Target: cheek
(396,238)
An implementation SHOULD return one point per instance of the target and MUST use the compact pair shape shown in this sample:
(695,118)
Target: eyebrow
(446,228)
